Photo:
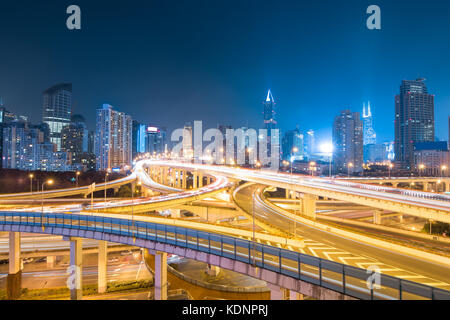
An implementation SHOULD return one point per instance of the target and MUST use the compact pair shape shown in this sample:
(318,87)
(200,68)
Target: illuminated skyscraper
(348,142)
(414,120)
(370,137)
(57,109)
(269,113)
(113,138)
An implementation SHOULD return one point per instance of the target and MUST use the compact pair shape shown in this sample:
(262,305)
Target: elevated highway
(416,203)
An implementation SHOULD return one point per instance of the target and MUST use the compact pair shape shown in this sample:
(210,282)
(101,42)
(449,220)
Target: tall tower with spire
(370,137)
(269,113)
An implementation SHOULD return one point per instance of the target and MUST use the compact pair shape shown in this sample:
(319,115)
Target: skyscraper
(292,145)
(370,137)
(269,113)
(113,138)
(74,138)
(310,144)
(348,142)
(139,131)
(414,120)
(57,109)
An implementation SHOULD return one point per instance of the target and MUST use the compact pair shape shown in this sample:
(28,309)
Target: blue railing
(338,277)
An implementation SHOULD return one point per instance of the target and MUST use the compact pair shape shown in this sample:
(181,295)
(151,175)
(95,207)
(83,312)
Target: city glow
(326,147)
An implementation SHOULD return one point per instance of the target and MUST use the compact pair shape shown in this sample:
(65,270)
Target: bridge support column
(377,216)
(160,276)
(183,183)
(14,279)
(395,184)
(102,265)
(212,270)
(400,217)
(288,194)
(200,180)
(208,180)
(173,183)
(51,261)
(76,264)
(278,293)
(309,205)
(194,180)
(425,186)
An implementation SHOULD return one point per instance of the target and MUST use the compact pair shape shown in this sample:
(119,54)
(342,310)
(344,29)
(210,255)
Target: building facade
(370,137)
(292,145)
(348,142)
(113,139)
(57,109)
(414,120)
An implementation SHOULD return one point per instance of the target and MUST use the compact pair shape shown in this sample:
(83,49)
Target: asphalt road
(331,247)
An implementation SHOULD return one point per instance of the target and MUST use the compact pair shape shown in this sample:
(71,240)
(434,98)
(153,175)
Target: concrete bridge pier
(14,278)
(194,180)
(160,275)
(309,205)
(377,216)
(183,182)
(208,180)
(200,180)
(102,265)
(76,263)
(51,261)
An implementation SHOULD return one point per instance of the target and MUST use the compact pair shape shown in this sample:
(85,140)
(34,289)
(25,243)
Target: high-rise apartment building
(113,138)
(348,142)
(74,138)
(57,109)
(292,145)
(370,137)
(414,120)
(269,113)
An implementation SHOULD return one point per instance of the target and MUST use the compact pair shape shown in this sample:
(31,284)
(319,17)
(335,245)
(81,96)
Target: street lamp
(106,176)
(350,165)
(443,168)
(294,150)
(312,165)
(421,167)
(390,167)
(77,174)
(31,176)
(50,181)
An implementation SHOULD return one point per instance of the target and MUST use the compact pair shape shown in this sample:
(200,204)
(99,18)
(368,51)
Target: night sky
(167,62)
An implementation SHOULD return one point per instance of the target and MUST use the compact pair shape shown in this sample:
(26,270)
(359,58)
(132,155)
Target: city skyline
(150,76)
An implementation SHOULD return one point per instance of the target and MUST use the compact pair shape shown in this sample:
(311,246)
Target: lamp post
(390,168)
(294,150)
(421,167)
(106,176)
(350,165)
(312,165)
(50,181)
(31,176)
(77,174)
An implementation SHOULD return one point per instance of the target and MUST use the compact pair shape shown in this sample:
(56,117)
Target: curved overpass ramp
(289,269)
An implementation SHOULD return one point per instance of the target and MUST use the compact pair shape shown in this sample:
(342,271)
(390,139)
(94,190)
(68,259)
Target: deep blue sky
(166,62)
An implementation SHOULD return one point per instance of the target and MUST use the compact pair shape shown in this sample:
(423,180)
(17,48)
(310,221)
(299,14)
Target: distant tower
(414,120)
(269,113)
(370,137)
(57,109)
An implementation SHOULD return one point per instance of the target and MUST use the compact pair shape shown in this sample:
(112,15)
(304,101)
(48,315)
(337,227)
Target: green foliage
(124,191)
(438,228)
